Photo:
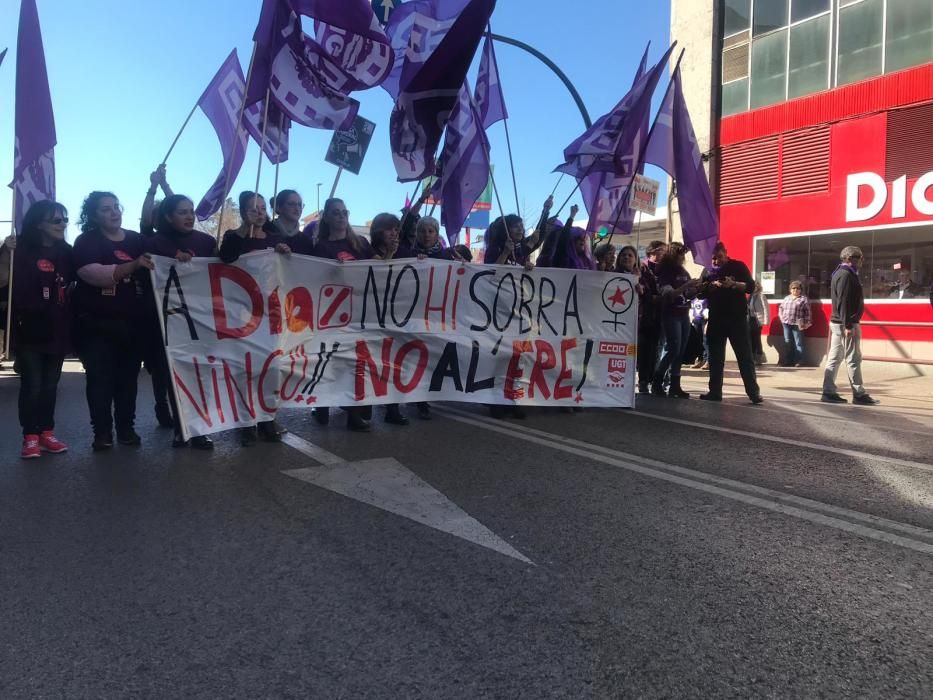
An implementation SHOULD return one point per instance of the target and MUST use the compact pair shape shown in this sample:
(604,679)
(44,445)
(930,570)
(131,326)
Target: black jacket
(848,298)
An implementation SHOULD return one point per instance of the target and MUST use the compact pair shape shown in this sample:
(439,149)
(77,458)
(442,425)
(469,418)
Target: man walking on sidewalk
(845,329)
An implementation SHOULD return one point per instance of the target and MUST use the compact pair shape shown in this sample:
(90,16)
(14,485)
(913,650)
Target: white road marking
(387,484)
(752,495)
(788,441)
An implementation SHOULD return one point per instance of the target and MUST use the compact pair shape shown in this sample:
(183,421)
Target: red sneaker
(30,447)
(49,443)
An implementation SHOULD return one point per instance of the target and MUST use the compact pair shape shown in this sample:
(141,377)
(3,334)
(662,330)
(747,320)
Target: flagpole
(505,119)
(641,156)
(333,190)
(559,180)
(236,139)
(8,333)
(262,145)
(181,131)
(278,158)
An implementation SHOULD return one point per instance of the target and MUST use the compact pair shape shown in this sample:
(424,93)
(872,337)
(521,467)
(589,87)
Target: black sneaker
(424,410)
(357,423)
(832,398)
(711,397)
(394,416)
(164,415)
(270,431)
(178,441)
(129,438)
(201,442)
(865,400)
(756,399)
(102,441)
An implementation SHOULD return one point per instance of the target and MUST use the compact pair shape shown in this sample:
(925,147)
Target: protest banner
(274,331)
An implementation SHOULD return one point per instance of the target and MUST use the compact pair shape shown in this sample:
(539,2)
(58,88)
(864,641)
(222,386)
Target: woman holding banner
(109,298)
(288,206)
(175,238)
(44,272)
(252,236)
(337,240)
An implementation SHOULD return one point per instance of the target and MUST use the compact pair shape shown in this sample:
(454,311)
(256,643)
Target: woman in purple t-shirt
(44,273)
(336,240)
(175,237)
(110,300)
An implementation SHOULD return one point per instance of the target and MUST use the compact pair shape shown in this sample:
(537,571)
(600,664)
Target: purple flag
(674,148)
(34,150)
(464,165)
(221,102)
(605,192)
(275,145)
(310,77)
(490,102)
(440,48)
(614,143)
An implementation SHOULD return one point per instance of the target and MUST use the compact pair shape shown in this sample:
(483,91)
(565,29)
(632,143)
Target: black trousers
(649,335)
(111,363)
(157,365)
(754,336)
(38,385)
(736,332)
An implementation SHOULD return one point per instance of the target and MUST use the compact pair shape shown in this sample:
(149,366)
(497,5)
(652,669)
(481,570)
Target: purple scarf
(851,268)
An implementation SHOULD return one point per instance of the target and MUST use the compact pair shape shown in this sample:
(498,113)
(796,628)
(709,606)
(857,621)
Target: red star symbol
(618,298)
(579,398)
(311,400)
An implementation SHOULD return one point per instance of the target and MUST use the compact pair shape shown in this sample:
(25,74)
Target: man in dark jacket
(845,329)
(726,286)
(649,323)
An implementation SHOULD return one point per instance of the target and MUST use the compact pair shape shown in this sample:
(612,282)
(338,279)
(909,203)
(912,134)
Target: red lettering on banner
(275,313)
(420,365)
(339,308)
(262,379)
(299,310)
(218,272)
(515,371)
(566,374)
(214,384)
(379,378)
(299,352)
(202,409)
(443,307)
(545,359)
(233,386)
(609,348)
(453,315)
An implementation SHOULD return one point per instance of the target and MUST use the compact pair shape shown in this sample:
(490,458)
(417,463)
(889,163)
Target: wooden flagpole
(333,190)
(239,125)
(180,132)
(262,146)
(505,119)
(278,158)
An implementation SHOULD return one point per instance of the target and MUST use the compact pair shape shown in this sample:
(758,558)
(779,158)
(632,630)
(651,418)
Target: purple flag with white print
(34,149)
(275,143)
(221,104)
(605,192)
(441,46)
(674,148)
(464,165)
(490,102)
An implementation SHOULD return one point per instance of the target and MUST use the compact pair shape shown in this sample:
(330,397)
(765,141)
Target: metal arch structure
(553,66)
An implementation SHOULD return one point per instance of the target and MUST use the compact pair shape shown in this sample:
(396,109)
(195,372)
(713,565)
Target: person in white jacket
(759,316)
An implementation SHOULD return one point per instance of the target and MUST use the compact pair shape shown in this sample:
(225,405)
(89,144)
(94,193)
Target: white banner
(276,331)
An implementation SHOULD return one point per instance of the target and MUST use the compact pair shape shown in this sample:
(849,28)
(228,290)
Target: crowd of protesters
(93,299)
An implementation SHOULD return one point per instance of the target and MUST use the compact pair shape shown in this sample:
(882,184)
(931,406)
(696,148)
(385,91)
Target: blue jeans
(676,334)
(793,341)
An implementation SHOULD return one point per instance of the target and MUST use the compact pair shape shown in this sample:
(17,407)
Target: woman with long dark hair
(336,240)
(43,274)
(676,289)
(177,238)
(112,271)
(253,234)
(287,206)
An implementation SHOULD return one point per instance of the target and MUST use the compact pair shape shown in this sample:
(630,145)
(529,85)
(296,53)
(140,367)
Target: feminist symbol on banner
(618,297)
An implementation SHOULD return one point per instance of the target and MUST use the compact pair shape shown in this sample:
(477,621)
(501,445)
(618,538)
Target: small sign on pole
(644,196)
(383,10)
(348,148)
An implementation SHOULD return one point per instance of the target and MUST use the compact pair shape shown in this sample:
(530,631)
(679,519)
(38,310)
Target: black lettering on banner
(479,302)
(173,281)
(542,305)
(447,366)
(572,302)
(472,386)
(587,354)
(495,303)
(414,297)
(371,284)
(525,304)
(323,358)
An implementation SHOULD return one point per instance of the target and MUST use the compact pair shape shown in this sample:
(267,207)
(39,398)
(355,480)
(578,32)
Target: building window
(735,97)
(804,9)
(768,16)
(860,41)
(738,14)
(769,69)
(808,59)
(898,263)
(909,36)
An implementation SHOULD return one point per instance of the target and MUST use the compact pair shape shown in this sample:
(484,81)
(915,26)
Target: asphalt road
(681,550)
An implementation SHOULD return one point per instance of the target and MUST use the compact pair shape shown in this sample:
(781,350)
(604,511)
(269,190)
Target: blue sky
(124,75)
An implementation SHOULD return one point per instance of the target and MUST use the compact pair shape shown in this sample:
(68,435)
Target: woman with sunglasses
(253,234)
(43,274)
(176,238)
(112,279)
(336,240)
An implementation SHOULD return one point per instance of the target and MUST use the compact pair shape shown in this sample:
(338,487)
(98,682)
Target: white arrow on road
(387,484)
